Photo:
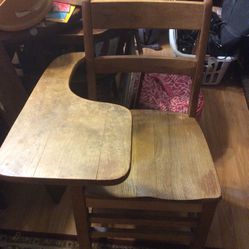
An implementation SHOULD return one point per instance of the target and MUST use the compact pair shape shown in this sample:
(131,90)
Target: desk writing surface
(61,137)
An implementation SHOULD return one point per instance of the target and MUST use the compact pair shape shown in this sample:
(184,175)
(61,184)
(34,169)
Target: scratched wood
(170,160)
(61,137)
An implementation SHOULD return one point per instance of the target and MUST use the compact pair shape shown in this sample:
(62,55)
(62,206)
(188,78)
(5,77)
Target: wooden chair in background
(172,189)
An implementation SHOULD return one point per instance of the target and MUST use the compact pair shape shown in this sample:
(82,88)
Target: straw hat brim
(13,19)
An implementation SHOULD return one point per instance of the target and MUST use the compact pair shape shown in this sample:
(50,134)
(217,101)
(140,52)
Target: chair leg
(201,231)
(81,216)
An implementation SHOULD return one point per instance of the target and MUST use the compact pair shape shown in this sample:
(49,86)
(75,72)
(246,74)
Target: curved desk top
(61,138)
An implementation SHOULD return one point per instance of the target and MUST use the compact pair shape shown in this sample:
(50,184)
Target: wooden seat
(172,189)
(170,160)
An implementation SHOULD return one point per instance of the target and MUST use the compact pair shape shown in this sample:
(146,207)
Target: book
(60,16)
(60,7)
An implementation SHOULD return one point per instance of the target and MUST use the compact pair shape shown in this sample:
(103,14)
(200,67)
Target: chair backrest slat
(133,14)
(144,14)
(145,64)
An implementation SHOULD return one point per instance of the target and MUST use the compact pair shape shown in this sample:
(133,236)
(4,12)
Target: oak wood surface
(135,13)
(80,214)
(132,14)
(122,218)
(225,124)
(151,204)
(63,138)
(149,149)
(89,51)
(200,56)
(170,160)
(149,64)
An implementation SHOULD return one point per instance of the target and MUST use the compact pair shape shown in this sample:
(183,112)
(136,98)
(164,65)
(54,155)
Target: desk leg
(81,216)
(12,93)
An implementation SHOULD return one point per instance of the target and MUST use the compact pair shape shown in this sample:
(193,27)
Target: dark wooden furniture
(12,93)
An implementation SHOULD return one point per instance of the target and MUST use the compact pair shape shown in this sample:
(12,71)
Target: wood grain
(151,204)
(201,49)
(89,51)
(62,138)
(80,216)
(170,160)
(148,64)
(225,124)
(135,13)
(122,219)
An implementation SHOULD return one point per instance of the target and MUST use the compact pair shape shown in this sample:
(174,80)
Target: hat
(22,14)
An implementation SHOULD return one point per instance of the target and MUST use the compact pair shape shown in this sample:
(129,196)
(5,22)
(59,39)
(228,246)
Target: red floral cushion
(167,92)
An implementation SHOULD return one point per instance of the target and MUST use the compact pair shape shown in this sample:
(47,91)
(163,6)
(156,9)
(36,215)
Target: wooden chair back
(133,14)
